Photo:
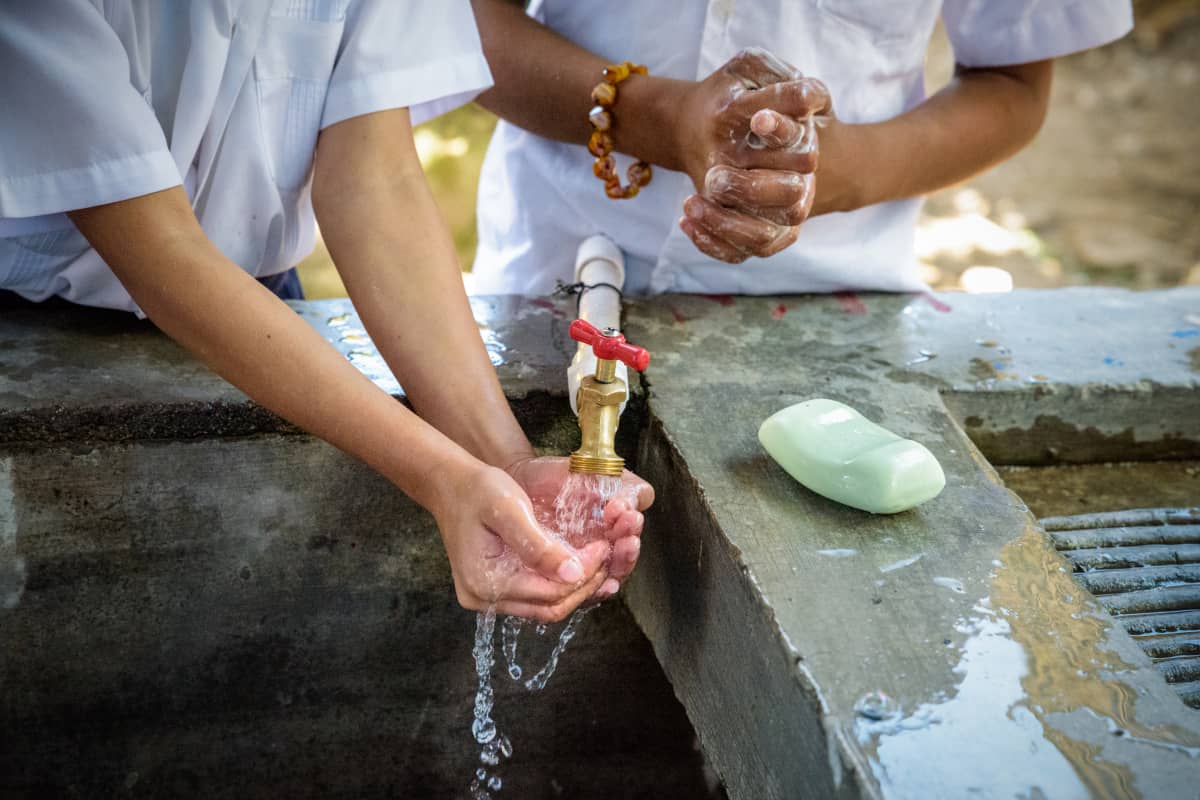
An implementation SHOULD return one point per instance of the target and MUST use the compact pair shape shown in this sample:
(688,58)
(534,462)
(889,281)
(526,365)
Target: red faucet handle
(610,347)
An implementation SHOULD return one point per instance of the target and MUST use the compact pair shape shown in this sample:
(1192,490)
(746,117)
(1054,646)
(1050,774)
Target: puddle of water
(902,563)
(922,356)
(1036,657)
(953,584)
(839,552)
(354,336)
(977,735)
(495,348)
(371,364)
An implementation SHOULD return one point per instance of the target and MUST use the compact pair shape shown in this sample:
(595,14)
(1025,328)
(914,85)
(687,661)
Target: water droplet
(541,629)
(953,584)
(876,706)
(494,783)
(484,730)
(481,773)
(923,355)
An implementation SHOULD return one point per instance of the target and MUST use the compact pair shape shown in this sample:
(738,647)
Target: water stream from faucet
(577,517)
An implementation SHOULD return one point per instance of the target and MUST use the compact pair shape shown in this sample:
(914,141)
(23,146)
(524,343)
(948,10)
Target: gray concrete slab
(198,601)
(775,612)
(67,372)
(264,617)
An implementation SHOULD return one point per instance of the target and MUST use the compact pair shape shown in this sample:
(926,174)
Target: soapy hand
(621,523)
(500,554)
(752,157)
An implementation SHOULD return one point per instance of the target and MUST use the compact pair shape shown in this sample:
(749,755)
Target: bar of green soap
(840,454)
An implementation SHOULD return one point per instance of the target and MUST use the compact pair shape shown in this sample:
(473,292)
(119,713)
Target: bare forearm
(980,119)
(544,84)
(397,259)
(213,308)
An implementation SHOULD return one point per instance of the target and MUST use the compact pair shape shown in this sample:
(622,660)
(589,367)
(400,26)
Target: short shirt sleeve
(422,55)
(994,33)
(76,132)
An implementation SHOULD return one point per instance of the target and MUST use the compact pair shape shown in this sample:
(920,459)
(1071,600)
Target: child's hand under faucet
(621,523)
(501,555)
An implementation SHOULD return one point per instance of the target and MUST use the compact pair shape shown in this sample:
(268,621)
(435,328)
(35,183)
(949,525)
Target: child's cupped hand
(620,521)
(500,555)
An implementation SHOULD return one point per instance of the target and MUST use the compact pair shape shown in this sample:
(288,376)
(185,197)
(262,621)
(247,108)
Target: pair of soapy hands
(753,158)
(750,146)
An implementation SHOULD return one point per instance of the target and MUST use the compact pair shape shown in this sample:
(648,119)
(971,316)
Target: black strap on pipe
(577,289)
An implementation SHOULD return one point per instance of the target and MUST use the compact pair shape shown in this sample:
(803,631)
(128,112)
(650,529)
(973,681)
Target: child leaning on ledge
(159,157)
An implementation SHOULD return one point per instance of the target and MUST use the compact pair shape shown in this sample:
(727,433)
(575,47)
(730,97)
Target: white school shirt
(104,100)
(538,198)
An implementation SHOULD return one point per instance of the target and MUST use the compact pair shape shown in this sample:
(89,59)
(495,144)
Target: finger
(628,524)
(613,510)
(606,590)
(750,235)
(537,548)
(782,132)
(624,557)
(756,67)
(553,612)
(709,245)
(528,586)
(779,196)
(795,98)
(643,491)
(752,190)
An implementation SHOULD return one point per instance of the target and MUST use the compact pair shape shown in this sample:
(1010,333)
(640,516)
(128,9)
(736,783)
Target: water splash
(509,635)
(484,727)
(576,517)
(538,681)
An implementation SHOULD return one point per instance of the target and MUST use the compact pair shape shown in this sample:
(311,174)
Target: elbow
(1035,80)
(1022,91)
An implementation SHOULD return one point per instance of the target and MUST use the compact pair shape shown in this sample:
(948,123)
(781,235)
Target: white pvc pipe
(597,261)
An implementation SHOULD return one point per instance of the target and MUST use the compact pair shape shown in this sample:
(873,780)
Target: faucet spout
(600,397)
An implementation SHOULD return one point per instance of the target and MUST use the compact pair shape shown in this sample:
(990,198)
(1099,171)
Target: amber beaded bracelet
(601,143)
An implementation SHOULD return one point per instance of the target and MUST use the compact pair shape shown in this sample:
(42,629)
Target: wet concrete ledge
(781,618)
(214,605)
(773,611)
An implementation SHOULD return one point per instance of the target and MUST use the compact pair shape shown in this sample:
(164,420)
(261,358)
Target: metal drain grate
(1143,565)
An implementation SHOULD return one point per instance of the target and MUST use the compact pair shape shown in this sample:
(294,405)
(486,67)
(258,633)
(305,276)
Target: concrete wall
(190,612)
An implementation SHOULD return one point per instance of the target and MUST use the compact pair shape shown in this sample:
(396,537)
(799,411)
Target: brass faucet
(599,399)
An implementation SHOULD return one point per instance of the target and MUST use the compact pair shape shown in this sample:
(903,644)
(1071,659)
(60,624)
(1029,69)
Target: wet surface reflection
(525,338)
(1041,685)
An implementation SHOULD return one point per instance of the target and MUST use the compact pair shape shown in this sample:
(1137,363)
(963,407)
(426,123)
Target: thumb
(539,550)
